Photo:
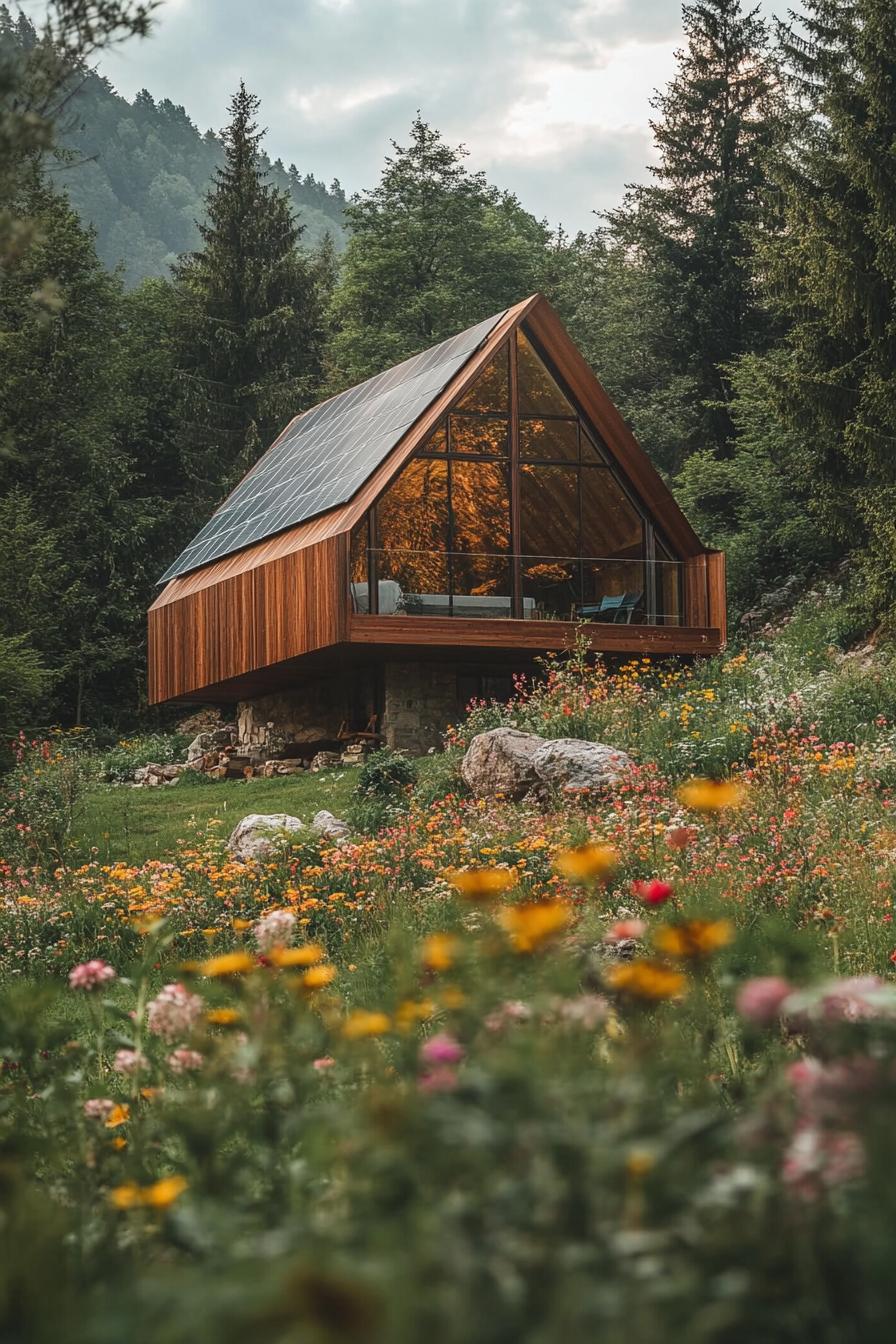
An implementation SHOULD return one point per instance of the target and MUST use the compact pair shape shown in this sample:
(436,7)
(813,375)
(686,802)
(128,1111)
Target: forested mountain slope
(138,172)
(147,169)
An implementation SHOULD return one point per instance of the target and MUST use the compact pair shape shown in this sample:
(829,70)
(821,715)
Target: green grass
(120,824)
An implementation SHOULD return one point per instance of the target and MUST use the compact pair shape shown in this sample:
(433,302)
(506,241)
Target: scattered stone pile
(152,775)
(217,752)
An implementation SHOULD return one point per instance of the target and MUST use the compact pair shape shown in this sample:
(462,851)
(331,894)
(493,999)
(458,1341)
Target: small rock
(332,828)
(259,836)
(198,747)
(501,761)
(325,760)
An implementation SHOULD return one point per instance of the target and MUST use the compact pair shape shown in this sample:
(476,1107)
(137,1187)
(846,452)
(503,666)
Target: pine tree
(690,230)
(81,510)
(252,330)
(433,249)
(832,276)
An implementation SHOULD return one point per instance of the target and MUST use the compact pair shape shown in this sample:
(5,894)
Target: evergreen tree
(433,249)
(832,276)
(252,329)
(81,512)
(687,236)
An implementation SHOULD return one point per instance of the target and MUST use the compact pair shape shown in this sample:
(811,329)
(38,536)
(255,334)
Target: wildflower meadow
(576,1067)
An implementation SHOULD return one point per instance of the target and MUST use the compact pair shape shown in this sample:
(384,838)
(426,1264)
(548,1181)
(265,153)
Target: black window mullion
(449,557)
(650,567)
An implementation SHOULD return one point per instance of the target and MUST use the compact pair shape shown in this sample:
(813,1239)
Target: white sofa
(391,598)
(392,602)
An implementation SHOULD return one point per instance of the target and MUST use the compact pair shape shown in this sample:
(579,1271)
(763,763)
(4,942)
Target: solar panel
(328,453)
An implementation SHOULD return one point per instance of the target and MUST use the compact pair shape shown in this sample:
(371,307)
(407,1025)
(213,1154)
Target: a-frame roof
(325,454)
(330,462)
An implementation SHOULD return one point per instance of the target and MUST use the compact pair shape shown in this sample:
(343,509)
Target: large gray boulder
(260,836)
(330,827)
(568,763)
(501,761)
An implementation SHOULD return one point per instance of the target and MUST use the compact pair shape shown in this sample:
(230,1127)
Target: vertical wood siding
(292,605)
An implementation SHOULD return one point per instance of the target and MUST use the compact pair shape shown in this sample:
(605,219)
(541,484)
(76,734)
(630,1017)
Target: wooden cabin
(411,542)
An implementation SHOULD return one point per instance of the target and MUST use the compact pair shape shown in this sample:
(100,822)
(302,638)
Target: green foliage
(250,351)
(382,791)
(831,274)
(755,504)
(119,762)
(35,76)
(433,249)
(83,503)
(40,797)
(386,773)
(674,259)
(24,683)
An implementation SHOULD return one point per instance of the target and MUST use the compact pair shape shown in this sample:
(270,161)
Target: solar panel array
(328,453)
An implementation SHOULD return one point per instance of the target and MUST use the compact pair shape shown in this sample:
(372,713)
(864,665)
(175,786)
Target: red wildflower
(654,892)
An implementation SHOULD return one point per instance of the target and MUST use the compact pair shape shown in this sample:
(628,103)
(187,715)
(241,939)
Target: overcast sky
(549,96)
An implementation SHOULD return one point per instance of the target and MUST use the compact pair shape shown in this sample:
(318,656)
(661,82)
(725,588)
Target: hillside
(640,1039)
(138,173)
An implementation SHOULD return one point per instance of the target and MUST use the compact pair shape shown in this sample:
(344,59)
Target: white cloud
(550,96)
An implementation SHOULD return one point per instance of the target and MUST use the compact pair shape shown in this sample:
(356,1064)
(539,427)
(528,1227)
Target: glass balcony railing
(525,587)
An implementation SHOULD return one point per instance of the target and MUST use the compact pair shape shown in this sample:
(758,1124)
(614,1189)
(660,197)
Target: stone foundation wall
(308,712)
(419,701)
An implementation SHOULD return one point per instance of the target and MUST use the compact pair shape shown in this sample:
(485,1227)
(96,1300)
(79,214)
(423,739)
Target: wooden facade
(256,619)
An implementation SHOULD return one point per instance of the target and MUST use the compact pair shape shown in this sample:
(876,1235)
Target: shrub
(119,764)
(385,773)
(40,796)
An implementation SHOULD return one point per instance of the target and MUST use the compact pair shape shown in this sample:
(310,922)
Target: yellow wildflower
(164,1192)
(693,938)
(586,862)
(439,951)
(160,1195)
(711,795)
(222,1017)
(119,1115)
(642,979)
(534,923)
(309,955)
(229,963)
(318,977)
(480,884)
(362,1022)
(411,1011)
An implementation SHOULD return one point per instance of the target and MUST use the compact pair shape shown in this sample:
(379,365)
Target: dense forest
(138,172)
(738,305)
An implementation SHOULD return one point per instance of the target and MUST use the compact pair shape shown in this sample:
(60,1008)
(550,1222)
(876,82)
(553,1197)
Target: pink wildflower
(129,1061)
(441,1049)
(98,1108)
(508,1013)
(274,930)
(821,1158)
(443,1078)
(91,974)
(624,930)
(325,1062)
(759,1000)
(183,1060)
(173,1012)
